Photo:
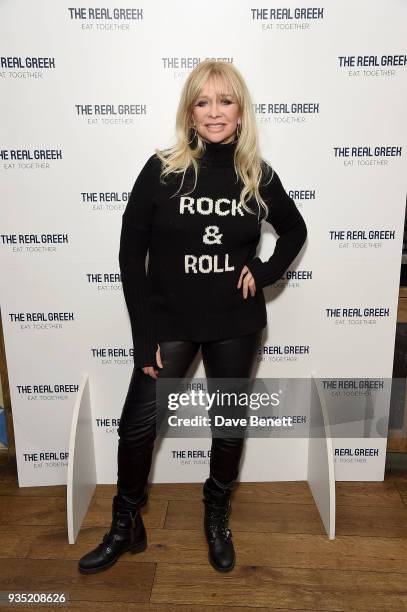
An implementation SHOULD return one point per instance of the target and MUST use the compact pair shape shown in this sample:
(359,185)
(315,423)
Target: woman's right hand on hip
(151,370)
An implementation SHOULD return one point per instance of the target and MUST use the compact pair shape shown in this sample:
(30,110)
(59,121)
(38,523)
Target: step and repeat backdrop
(88,91)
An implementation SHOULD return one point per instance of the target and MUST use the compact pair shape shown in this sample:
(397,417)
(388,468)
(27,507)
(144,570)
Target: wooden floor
(284,560)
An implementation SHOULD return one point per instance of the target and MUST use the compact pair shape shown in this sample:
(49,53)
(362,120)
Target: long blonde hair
(248,164)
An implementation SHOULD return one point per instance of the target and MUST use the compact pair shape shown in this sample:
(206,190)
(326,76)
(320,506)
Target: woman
(197,208)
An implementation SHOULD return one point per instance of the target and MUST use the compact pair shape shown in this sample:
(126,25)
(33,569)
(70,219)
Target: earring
(238,130)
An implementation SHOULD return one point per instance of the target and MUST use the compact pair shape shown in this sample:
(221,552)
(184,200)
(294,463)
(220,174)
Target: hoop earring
(238,130)
(193,137)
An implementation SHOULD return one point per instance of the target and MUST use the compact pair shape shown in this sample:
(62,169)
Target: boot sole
(221,569)
(134,549)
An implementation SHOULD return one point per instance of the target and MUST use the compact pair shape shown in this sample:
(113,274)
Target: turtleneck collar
(217,154)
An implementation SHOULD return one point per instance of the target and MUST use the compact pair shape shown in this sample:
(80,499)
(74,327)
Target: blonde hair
(248,164)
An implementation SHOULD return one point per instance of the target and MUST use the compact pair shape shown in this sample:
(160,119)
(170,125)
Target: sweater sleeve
(134,242)
(286,219)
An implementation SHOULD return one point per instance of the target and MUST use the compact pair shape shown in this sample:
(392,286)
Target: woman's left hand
(248,282)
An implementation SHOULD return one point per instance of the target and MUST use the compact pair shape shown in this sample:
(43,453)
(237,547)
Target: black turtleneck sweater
(198,243)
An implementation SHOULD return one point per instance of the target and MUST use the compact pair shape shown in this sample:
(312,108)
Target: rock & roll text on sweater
(197,244)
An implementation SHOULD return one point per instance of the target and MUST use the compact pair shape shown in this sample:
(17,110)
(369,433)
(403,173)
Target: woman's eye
(224,101)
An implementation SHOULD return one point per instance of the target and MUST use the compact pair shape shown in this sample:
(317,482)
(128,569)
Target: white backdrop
(87,92)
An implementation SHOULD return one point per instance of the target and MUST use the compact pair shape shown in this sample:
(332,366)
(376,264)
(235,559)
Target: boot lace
(216,520)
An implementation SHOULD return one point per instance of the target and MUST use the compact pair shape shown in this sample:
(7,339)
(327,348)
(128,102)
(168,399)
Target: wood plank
(147,607)
(372,521)
(278,567)
(176,546)
(8,469)
(279,588)
(276,492)
(401,487)
(351,520)
(252,517)
(100,513)
(298,492)
(12,488)
(395,475)
(123,582)
(33,510)
(383,494)
(52,511)
(396,443)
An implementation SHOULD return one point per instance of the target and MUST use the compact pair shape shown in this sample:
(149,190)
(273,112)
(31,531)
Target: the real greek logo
(292,279)
(357,315)
(302,195)
(362,239)
(372,65)
(113,355)
(110,114)
(112,201)
(190,456)
(47,459)
(378,155)
(29,159)
(287,18)
(46,391)
(343,387)
(355,455)
(105,281)
(182,65)
(34,243)
(41,320)
(105,19)
(18,67)
(286,112)
(109,425)
(353,383)
(282,352)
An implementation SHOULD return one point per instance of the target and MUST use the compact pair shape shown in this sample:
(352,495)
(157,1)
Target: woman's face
(216,116)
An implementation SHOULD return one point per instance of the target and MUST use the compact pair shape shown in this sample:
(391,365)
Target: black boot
(127,533)
(216,499)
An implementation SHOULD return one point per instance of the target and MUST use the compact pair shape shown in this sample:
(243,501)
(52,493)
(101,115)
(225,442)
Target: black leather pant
(230,358)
